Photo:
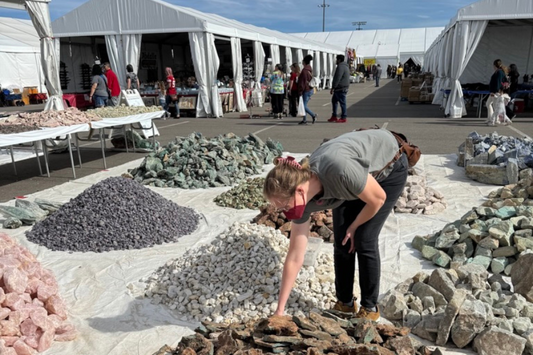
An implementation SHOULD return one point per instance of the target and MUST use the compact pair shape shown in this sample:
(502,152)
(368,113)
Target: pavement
(424,125)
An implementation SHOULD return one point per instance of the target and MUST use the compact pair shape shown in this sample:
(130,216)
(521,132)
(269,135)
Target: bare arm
(93,89)
(128,86)
(138,84)
(374,196)
(293,262)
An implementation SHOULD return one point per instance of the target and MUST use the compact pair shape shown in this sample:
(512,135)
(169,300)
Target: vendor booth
(480,33)
(205,51)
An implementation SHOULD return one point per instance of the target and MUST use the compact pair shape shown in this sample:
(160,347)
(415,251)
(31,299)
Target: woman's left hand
(350,232)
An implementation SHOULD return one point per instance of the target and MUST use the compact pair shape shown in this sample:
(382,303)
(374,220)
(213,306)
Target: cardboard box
(404,92)
(414,94)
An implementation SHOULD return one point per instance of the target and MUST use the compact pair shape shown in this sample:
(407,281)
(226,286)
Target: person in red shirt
(171,95)
(112,84)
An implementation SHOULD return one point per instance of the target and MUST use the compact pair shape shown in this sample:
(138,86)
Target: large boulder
(522,276)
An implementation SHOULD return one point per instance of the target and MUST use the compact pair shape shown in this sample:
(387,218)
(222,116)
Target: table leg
(102,144)
(126,139)
(132,137)
(71,157)
(78,149)
(45,154)
(38,158)
(13,160)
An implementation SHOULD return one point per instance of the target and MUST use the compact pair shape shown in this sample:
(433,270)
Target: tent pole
(529,54)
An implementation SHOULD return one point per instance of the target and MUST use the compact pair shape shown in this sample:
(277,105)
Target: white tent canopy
(120,20)
(386,46)
(474,38)
(40,16)
(20,55)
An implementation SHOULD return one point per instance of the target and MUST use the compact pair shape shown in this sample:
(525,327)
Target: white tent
(120,20)
(474,38)
(20,55)
(386,46)
(40,16)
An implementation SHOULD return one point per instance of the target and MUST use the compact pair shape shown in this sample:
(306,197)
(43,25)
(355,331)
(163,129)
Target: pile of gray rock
(495,159)
(466,307)
(493,235)
(195,162)
(27,212)
(417,198)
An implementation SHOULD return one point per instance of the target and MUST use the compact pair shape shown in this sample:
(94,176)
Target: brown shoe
(366,314)
(341,307)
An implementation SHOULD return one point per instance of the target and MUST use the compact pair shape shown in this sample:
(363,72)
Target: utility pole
(359,24)
(323,6)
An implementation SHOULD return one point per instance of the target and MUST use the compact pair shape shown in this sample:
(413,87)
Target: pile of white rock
(417,198)
(236,278)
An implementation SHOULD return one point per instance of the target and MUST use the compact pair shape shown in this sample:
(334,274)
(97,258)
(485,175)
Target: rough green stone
(523,244)
(469,247)
(498,265)
(441,259)
(470,216)
(526,223)
(428,252)
(504,252)
(479,225)
(48,205)
(31,207)
(25,216)
(418,242)
(317,334)
(12,223)
(480,251)
(502,231)
(489,243)
(506,212)
(524,233)
(487,212)
(484,261)
(476,235)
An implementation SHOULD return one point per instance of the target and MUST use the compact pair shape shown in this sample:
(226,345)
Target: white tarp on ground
(406,43)
(20,55)
(474,33)
(104,296)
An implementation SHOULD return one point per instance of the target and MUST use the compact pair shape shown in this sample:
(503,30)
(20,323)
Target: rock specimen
(195,162)
(237,278)
(463,306)
(495,159)
(123,111)
(33,314)
(321,333)
(114,214)
(492,235)
(70,116)
(248,194)
(26,212)
(321,222)
(417,198)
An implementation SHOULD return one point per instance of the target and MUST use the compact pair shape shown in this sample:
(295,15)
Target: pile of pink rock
(32,315)
(70,116)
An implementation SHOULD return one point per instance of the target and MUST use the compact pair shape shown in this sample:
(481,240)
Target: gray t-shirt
(343,164)
(101,89)
(133,77)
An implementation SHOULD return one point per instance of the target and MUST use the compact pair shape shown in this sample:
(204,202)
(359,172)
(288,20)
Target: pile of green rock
(492,235)
(26,212)
(248,194)
(195,162)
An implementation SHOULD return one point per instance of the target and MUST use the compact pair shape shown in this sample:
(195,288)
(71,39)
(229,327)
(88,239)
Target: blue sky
(306,15)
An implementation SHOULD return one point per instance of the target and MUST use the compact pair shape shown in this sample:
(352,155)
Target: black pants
(293,103)
(366,241)
(277,103)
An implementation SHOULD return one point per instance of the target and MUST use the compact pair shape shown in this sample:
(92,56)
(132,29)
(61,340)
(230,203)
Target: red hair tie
(290,161)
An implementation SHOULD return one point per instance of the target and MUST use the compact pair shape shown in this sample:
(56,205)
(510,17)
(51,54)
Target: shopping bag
(301,107)
(257,98)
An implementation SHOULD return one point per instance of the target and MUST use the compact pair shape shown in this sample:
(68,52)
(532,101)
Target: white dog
(499,116)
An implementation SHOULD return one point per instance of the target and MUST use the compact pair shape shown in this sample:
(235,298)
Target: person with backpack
(306,87)
(132,80)
(99,94)
(339,89)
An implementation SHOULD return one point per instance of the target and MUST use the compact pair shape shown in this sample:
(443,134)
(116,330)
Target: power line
(323,6)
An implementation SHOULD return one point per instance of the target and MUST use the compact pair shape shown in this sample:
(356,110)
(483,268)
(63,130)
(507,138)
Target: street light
(323,6)
(359,24)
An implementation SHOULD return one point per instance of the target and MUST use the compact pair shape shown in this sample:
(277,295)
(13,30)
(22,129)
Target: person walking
(132,80)
(305,90)
(171,94)
(389,68)
(99,94)
(277,91)
(112,84)
(292,90)
(360,175)
(399,72)
(495,88)
(339,89)
(378,74)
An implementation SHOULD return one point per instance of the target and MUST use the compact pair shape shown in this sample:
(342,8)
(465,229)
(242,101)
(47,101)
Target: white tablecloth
(7,140)
(144,119)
